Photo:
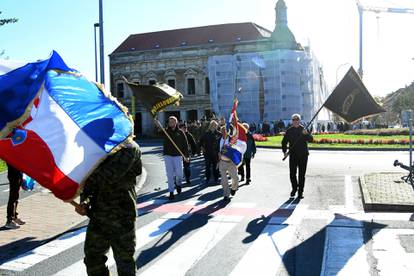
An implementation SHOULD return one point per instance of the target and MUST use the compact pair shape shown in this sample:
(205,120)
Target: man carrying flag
(232,147)
(175,147)
(72,137)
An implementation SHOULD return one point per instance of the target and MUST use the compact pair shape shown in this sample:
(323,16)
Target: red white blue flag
(55,125)
(238,138)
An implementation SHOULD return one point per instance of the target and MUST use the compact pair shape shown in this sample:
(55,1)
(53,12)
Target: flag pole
(74,204)
(306,127)
(158,124)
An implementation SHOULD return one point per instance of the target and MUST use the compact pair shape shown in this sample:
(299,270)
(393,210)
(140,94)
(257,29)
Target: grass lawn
(277,140)
(3,166)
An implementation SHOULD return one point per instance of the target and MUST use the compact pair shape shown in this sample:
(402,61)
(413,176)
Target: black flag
(351,99)
(155,97)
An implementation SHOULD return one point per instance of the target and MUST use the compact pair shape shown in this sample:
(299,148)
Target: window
(207,86)
(120,90)
(192,115)
(151,82)
(191,86)
(171,82)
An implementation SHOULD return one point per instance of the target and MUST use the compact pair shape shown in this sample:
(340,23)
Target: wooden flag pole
(74,204)
(169,137)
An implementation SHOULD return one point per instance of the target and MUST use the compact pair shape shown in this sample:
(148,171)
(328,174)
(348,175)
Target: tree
(404,101)
(4,21)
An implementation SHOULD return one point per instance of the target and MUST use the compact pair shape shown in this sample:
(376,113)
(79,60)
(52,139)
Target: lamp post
(96,25)
(101,43)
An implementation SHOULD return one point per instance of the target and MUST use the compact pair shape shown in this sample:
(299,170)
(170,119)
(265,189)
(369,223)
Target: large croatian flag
(238,138)
(55,125)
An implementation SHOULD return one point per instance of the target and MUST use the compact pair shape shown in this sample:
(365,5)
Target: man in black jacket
(192,148)
(210,145)
(297,137)
(172,157)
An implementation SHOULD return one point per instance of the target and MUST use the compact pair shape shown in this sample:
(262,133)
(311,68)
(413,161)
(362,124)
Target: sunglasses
(295,119)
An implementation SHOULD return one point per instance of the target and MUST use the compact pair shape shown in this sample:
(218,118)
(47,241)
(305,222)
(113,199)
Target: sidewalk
(45,217)
(386,192)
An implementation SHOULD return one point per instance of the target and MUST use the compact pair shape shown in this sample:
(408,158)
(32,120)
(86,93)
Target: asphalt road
(261,230)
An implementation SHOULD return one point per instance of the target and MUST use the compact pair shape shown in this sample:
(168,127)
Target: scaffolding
(273,84)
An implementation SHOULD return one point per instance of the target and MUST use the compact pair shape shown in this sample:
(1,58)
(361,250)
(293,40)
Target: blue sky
(330,27)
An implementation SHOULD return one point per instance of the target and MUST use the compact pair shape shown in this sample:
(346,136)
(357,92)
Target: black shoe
(178,188)
(232,192)
(226,198)
(242,179)
(171,197)
(248,181)
(188,182)
(292,193)
(300,196)
(207,181)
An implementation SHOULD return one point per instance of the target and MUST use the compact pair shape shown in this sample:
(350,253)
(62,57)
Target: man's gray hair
(296,116)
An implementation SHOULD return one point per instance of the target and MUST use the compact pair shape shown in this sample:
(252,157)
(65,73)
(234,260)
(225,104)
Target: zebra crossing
(183,234)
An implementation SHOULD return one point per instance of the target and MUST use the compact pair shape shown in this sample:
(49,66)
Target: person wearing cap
(297,137)
(192,147)
(226,166)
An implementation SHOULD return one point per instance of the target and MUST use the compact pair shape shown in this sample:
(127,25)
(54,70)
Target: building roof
(214,34)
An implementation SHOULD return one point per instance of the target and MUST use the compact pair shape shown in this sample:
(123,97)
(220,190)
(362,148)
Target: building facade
(270,73)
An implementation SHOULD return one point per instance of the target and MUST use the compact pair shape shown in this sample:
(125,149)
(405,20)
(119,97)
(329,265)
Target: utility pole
(101,43)
(96,25)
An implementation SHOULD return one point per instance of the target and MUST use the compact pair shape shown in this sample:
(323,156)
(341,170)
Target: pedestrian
(15,178)
(227,166)
(192,149)
(248,155)
(173,159)
(297,137)
(109,199)
(210,145)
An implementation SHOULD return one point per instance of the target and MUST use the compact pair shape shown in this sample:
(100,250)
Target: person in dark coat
(192,148)
(297,137)
(15,178)
(173,159)
(248,155)
(210,145)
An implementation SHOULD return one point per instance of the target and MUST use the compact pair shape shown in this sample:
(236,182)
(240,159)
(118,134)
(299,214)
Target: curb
(338,149)
(374,205)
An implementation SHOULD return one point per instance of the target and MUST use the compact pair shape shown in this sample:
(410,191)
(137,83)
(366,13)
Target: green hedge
(3,166)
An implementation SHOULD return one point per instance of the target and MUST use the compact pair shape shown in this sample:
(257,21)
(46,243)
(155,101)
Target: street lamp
(337,69)
(96,25)
(101,43)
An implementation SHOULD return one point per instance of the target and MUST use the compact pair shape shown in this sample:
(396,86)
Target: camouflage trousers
(98,240)
(113,214)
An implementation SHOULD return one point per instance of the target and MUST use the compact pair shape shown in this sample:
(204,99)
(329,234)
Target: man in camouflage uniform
(109,199)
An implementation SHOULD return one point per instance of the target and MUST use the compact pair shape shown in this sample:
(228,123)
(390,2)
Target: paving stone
(386,192)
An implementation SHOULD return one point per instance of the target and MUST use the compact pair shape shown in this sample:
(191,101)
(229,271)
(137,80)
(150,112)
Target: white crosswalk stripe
(146,234)
(179,260)
(270,246)
(344,251)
